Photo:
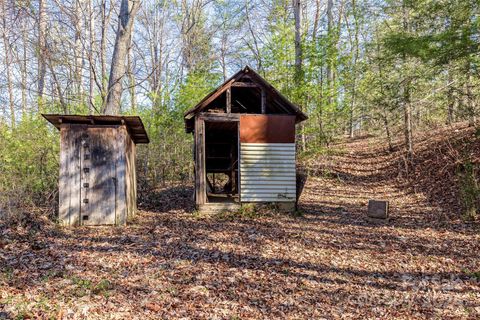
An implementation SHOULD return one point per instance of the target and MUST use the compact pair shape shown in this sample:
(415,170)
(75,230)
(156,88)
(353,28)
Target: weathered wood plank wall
(97,183)
(131,178)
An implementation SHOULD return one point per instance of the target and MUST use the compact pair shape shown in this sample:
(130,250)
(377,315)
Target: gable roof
(273,94)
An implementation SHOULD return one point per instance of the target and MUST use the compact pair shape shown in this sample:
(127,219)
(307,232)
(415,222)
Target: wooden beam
(219,117)
(229,100)
(263,102)
(215,95)
(245,85)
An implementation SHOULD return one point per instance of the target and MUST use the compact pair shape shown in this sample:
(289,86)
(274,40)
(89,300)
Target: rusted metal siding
(267,172)
(267,129)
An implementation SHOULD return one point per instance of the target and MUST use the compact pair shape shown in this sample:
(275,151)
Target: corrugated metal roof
(134,124)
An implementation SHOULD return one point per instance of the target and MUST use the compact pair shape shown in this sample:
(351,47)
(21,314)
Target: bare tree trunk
(297,9)
(407,117)
(131,80)
(156,54)
(354,73)
(8,64)
(24,73)
(128,10)
(58,87)
(103,50)
(91,76)
(42,67)
(316,20)
(470,101)
(78,48)
(451,99)
(407,107)
(256,50)
(387,130)
(298,41)
(223,53)
(330,74)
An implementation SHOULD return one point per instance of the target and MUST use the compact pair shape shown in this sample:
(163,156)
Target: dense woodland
(389,68)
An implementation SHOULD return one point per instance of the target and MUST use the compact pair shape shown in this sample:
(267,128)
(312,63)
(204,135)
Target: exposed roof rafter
(254,81)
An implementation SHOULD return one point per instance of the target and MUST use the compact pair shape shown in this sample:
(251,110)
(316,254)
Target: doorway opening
(221,161)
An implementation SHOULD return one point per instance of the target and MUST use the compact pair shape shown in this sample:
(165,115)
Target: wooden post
(264,101)
(121,176)
(229,100)
(64,178)
(200,194)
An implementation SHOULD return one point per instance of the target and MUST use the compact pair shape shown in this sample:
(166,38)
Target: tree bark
(128,10)
(42,67)
(354,73)
(470,100)
(298,41)
(8,64)
(387,130)
(407,107)
(408,117)
(91,75)
(316,20)
(78,48)
(23,66)
(255,50)
(297,9)
(103,50)
(330,52)
(131,80)
(451,99)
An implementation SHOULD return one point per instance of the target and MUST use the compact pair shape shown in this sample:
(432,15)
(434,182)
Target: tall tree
(78,18)
(42,50)
(407,108)
(330,48)
(8,60)
(297,9)
(128,10)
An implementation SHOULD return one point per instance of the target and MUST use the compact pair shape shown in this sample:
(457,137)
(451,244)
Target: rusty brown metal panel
(267,129)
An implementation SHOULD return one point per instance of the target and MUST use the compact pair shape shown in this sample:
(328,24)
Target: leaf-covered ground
(328,263)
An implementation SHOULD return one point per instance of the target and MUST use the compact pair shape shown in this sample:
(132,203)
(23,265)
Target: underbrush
(28,167)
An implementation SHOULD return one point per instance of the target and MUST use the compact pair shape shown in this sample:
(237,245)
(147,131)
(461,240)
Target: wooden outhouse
(244,137)
(97,182)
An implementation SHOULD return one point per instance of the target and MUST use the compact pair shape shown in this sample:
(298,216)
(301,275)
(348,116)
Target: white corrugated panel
(267,172)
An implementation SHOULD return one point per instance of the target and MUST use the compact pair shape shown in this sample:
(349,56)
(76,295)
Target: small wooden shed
(97,182)
(244,137)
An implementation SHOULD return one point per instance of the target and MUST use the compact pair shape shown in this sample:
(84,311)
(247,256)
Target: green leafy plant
(469,189)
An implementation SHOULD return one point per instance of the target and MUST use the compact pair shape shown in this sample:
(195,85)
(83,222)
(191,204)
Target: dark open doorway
(221,161)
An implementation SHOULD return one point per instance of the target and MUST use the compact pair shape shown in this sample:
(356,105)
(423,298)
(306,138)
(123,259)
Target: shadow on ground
(168,198)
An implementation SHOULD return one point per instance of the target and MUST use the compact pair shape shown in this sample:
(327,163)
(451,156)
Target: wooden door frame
(200,161)
(199,137)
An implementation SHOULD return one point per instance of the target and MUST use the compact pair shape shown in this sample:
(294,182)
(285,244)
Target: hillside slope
(428,190)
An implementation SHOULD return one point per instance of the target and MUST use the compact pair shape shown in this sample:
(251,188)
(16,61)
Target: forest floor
(326,263)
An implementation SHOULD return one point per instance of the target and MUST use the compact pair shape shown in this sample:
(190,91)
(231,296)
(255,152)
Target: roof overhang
(134,124)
